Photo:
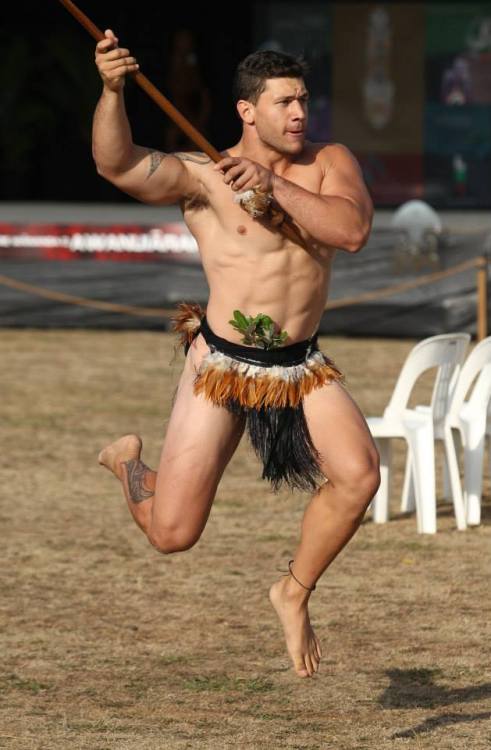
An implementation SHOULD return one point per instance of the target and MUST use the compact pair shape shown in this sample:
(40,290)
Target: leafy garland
(260,331)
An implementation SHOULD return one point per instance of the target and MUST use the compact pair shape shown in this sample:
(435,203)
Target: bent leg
(349,460)
(172,505)
(201,439)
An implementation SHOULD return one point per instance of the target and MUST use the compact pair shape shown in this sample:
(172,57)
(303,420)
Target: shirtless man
(256,269)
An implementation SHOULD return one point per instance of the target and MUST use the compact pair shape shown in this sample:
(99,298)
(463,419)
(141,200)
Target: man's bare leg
(333,515)
(172,505)
(122,458)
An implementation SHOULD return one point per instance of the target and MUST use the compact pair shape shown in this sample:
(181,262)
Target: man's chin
(293,147)
(296,147)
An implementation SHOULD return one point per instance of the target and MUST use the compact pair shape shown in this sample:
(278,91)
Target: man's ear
(246,111)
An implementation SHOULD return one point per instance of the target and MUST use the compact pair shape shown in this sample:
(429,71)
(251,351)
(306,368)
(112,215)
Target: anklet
(294,576)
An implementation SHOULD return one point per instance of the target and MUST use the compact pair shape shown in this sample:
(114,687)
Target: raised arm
(134,169)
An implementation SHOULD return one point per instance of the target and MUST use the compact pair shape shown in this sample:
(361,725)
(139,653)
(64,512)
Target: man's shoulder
(333,157)
(327,149)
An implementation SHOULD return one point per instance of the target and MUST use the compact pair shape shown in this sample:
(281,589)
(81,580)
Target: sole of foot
(127,448)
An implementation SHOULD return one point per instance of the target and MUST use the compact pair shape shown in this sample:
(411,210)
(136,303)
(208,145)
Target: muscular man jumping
(264,370)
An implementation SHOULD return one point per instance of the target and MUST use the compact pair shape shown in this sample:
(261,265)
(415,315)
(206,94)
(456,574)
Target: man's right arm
(134,169)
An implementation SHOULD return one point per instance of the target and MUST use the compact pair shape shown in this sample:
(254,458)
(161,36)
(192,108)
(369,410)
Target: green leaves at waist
(260,331)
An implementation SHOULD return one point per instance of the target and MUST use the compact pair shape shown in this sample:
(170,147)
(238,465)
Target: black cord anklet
(296,579)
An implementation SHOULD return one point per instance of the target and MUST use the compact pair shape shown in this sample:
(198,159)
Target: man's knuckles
(117,54)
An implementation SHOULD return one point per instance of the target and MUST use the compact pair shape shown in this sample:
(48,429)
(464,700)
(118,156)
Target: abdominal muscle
(284,282)
(254,269)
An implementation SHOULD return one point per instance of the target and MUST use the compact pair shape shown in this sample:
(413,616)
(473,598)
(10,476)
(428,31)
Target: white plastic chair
(444,352)
(471,429)
(469,416)
(488,434)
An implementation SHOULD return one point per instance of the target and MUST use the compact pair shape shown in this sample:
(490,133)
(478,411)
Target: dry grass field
(107,645)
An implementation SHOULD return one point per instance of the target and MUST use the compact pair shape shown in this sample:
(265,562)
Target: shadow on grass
(486,512)
(440,721)
(416,688)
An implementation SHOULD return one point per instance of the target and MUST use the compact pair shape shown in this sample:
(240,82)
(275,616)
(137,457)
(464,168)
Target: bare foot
(303,645)
(126,448)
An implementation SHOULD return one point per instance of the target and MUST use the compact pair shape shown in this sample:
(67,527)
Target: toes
(313,657)
(300,668)
(318,647)
(315,662)
(309,665)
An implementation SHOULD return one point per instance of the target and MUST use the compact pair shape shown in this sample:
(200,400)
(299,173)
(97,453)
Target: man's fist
(243,174)
(113,62)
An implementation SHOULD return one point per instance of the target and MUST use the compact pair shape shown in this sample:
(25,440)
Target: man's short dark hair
(253,72)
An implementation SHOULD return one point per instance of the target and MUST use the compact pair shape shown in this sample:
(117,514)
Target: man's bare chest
(216,199)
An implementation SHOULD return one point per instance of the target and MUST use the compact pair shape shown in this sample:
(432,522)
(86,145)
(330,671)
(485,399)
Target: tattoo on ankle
(136,480)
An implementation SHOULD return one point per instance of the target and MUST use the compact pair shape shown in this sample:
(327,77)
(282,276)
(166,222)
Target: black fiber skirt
(280,437)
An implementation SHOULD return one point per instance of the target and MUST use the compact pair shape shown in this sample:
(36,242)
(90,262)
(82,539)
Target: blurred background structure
(407,87)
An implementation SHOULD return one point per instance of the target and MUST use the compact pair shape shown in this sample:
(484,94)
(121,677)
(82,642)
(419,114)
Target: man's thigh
(339,432)
(201,439)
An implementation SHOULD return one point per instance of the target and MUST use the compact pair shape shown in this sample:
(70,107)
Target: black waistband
(286,356)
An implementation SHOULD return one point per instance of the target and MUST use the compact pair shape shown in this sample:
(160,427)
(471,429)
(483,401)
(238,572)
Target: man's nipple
(241,229)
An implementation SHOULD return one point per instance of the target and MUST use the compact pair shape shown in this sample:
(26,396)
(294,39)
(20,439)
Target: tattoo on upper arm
(195,156)
(155,158)
(136,471)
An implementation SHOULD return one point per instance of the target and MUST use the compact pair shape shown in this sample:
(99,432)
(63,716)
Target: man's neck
(264,155)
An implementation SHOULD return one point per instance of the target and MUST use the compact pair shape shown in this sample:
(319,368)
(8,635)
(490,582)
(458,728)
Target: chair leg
(452,464)
(380,503)
(408,500)
(489,452)
(447,486)
(420,439)
(473,471)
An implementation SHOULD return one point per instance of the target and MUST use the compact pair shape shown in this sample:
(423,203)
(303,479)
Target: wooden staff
(482,298)
(153,92)
(282,222)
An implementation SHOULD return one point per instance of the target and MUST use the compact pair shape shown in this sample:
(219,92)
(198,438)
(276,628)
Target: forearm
(332,220)
(112,143)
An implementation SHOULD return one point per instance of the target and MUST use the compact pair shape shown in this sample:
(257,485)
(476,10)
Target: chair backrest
(445,352)
(477,360)
(480,397)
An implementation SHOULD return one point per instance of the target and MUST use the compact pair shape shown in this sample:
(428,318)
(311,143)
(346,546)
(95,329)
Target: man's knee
(171,539)
(359,483)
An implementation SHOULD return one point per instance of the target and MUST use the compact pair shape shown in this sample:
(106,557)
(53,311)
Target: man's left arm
(341,214)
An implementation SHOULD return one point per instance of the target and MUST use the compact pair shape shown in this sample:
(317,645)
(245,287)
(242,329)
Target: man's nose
(298,110)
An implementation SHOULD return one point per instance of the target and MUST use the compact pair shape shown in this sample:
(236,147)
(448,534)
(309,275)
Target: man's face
(281,114)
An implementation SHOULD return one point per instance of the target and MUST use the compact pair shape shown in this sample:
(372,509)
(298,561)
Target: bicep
(343,178)
(156,177)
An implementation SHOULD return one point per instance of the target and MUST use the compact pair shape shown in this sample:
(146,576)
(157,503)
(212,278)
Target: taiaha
(256,203)
(149,88)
